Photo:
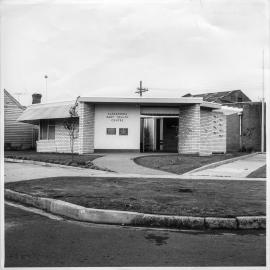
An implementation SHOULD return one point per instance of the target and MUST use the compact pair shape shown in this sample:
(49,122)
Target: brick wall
(46,146)
(61,144)
(201,131)
(251,124)
(206,128)
(233,132)
(218,137)
(189,129)
(86,128)
(62,139)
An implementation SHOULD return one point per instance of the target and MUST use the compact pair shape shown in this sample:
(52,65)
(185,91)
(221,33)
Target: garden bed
(83,161)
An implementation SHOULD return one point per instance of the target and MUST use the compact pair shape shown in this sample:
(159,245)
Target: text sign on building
(116,116)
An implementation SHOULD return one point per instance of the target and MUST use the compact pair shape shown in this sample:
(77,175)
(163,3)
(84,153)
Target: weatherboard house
(187,125)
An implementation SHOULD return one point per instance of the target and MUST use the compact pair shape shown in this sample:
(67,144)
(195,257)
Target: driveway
(239,168)
(123,163)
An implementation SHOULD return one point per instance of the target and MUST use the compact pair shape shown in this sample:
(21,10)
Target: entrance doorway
(159,134)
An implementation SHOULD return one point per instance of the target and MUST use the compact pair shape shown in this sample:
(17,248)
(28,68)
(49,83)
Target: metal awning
(36,112)
(227,110)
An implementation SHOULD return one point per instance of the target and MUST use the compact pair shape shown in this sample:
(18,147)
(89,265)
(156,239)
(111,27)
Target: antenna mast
(141,90)
(262,135)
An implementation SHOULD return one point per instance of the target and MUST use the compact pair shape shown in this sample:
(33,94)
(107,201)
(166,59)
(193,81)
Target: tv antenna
(141,90)
(46,77)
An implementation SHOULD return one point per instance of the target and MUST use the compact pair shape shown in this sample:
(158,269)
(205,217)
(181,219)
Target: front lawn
(180,164)
(84,161)
(223,198)
(259,173)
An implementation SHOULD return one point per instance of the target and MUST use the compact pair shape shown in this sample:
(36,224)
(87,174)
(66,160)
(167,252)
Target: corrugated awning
(226,110)
(45,111)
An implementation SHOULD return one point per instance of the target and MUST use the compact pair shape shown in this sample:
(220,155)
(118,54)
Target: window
(47,129)
(123,131)
(111,131)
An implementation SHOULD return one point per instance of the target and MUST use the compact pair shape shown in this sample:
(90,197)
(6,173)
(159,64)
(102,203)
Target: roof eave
(211,105)
(142,101)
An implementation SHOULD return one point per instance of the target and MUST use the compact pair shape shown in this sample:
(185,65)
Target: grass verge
(259,173)
(222,198)
(180,164)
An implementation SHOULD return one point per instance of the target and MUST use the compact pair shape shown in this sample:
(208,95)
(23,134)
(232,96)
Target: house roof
(14,100)
(215,96)
(39,111)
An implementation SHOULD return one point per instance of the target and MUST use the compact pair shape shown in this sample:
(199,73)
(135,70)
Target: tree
(71,125)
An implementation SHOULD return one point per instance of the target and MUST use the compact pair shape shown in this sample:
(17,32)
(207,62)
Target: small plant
(71,125)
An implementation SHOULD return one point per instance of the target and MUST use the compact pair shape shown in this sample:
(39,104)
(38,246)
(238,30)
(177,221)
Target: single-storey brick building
(185,125)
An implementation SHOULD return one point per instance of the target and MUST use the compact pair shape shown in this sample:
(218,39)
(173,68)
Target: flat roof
(150,101)
(181,100)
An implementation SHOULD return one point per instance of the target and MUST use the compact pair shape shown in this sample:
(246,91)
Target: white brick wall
(189,129)
(219,133)
(46,146)
(206,127)
(201,131)
(61,144)
(86,127)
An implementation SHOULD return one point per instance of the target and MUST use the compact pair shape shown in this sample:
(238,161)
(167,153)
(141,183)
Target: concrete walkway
(123,163)
(22,171)
(238,168)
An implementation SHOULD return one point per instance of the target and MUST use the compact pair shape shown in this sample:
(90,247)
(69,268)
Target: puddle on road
(157,239)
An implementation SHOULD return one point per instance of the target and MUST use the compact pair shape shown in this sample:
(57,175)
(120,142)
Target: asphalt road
(35,240)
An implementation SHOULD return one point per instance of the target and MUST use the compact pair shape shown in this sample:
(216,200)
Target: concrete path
(123,163)
(238,168)
(123,166)
(22,171)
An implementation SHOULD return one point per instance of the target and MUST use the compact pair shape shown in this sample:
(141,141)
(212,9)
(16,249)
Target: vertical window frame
(44,128)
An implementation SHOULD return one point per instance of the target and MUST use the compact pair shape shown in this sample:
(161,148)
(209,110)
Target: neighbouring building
(244,127)
(17,135)
(244,131)
(223,97)
(185,125)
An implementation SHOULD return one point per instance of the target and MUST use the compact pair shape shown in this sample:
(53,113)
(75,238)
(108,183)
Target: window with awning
(47,129)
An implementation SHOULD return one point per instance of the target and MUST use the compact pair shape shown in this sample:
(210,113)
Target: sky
(104,48)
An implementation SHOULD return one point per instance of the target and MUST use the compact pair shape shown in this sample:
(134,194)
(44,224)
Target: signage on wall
(117,116)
